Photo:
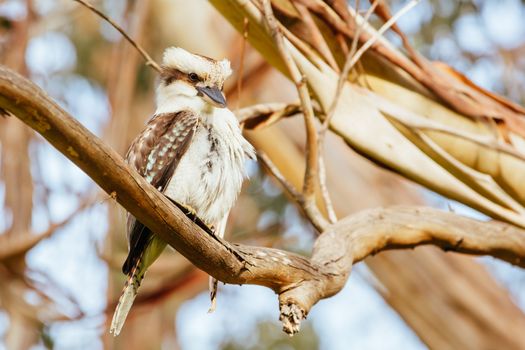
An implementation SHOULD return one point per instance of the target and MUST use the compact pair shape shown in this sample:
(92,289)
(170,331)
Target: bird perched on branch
(192,150)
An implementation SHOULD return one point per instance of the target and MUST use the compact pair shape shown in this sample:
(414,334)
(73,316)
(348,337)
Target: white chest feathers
(210,173)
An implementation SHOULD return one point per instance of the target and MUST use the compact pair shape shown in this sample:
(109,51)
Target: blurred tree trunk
(15,139)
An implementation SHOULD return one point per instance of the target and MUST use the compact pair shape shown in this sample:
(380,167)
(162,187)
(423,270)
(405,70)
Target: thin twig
(359,27)
(351,59)
(329,205)
(310,175)
(149,61)
(311,211)
(266,113)
(376,35)
(349,63)
(272,168)
(331,111)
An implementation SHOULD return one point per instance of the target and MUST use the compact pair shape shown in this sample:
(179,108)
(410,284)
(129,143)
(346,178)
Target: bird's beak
(212,95)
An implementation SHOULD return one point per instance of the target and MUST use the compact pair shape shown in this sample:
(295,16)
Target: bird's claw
(189,210)
(192,213)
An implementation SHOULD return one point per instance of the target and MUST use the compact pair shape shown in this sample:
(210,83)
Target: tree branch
(265,114)
(298,78)
(300,282)
(20,244)
(149,61)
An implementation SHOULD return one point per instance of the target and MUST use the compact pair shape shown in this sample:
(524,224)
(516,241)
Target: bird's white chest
(209,175)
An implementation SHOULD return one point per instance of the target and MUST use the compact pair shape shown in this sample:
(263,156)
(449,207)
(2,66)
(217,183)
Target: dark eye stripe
(169,75)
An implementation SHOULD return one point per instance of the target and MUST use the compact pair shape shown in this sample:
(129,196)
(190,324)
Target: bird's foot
(189,211)
(192,215)
(211,227)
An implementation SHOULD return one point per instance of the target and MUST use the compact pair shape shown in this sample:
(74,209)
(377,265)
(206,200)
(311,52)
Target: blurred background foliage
(62,242)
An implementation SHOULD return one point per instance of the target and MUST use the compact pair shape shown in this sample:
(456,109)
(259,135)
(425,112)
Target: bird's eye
(194,77)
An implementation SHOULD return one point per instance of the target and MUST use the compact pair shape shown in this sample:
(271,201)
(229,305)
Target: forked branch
(299,282)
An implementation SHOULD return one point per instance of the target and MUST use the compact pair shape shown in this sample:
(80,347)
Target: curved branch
(402,227)
(300,282)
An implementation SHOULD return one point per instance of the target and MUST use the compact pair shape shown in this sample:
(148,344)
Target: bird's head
(190,75)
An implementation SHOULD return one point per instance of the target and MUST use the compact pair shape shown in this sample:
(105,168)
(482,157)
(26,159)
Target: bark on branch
(299,282)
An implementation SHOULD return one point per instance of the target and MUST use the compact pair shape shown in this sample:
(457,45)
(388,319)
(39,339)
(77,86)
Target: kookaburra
(193,151)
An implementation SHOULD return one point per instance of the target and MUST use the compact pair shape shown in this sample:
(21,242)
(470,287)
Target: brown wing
(155,153)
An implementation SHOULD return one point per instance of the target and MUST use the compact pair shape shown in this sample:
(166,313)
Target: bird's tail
(135,277)
(213,283)
(127,297)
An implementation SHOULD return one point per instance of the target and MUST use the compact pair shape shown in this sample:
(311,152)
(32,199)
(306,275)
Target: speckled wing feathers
(155,153)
